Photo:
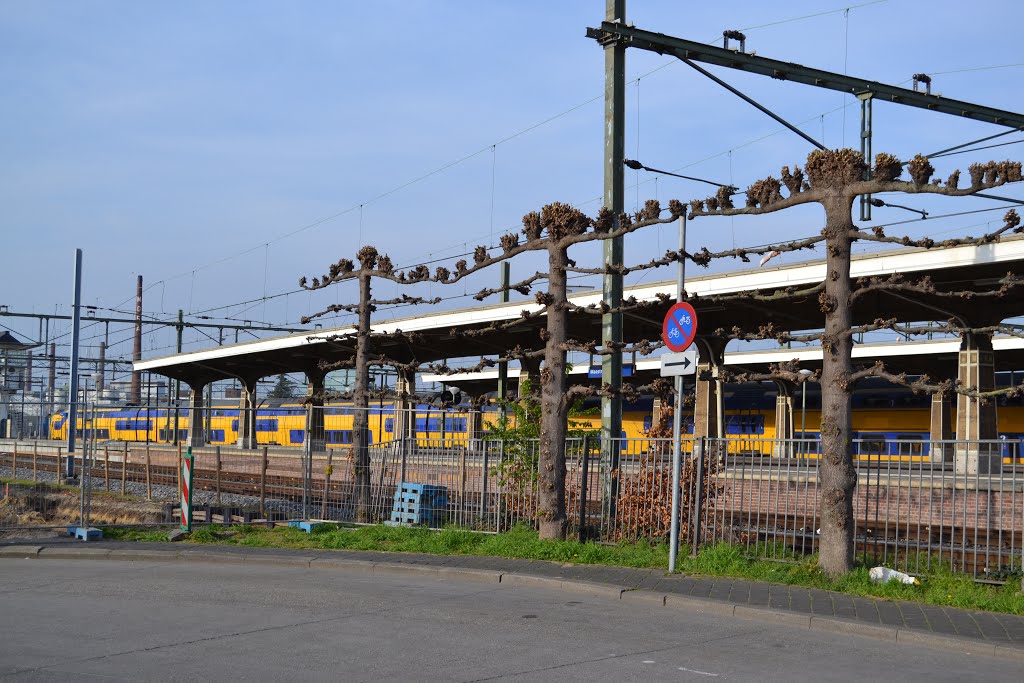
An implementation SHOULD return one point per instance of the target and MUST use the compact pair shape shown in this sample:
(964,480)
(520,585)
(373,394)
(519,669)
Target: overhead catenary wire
(508,138)
(845,10)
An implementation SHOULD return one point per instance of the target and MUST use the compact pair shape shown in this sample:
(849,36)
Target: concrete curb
(512,579)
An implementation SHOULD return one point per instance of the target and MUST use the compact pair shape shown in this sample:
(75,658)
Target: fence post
(405,450)
(327,483)
(462,483)
(218,475)
(35,456)
(14,464)
(149,480)
(178,468)
(584,476)
(485,445)
(699,498)
(124,469)
(263,485)
(501,494)
(59,454)
(106,468)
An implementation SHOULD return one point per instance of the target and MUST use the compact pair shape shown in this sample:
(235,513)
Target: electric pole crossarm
(789,71)
(162,323)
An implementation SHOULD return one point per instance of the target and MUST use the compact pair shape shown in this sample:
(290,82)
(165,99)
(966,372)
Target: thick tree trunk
(553,426)
(837,477)
(361,404)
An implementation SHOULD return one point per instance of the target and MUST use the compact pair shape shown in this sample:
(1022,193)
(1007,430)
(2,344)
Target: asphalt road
(75,619)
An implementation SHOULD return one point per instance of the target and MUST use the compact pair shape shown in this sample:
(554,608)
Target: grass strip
(939,587)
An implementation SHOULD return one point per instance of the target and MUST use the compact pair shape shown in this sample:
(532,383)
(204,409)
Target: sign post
(186,489)
(678,332)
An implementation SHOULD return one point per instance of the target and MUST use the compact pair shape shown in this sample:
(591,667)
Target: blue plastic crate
(438,504)
(419,504)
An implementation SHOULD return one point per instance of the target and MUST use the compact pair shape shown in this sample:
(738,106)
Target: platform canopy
(954,268)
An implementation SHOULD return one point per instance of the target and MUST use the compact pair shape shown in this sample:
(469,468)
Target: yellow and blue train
(887,424)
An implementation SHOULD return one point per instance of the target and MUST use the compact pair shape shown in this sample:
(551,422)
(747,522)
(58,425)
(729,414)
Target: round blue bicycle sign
(680,327)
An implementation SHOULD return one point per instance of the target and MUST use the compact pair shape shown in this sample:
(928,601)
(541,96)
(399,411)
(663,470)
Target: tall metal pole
(102,363)
(76,320)
(136,388)
(614,193)
(51,380)
(177,383)
(677,417)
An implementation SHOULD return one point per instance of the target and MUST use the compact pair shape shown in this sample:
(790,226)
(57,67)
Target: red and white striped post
(186,490)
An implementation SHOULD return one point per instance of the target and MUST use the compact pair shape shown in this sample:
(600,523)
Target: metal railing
(916,504)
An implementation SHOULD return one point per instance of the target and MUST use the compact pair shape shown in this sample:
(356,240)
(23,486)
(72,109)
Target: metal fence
(916,504)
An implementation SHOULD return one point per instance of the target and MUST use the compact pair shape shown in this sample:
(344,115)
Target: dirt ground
(40,505)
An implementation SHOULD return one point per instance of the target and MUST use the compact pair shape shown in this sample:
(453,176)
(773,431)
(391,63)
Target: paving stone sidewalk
(1003,630)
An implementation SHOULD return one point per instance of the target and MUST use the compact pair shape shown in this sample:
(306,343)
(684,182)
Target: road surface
(257,621)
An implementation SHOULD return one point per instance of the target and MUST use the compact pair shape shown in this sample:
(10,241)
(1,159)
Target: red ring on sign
(676,332)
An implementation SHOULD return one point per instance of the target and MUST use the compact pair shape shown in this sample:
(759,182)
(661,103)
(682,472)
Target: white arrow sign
(676,364)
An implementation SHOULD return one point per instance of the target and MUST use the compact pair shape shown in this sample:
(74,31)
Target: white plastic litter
(885,575)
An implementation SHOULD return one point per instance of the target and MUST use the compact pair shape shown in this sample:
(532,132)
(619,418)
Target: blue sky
(165,137)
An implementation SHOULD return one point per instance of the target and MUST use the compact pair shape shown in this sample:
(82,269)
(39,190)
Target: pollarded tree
(834,179)
(555,229)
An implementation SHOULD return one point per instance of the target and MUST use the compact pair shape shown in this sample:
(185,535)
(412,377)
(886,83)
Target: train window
(337,411)
(648,422)
(874,444)
(910,444)
(343,436)
(297,435)
(166,434)
(744,424)
(455,424)
(389,425)
(424,424)
(809,442)
(139,425)
(217,435)
(266,425)
(234,425)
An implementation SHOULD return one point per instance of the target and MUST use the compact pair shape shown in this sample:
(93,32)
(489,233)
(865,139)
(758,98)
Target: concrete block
(645,597)
(482,575)
(177,535)
(947,643)
(349,566)
(1014,652)
(700,605)
(71,552)
(834,625)
(20,551)
(129,555)
(774,615)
